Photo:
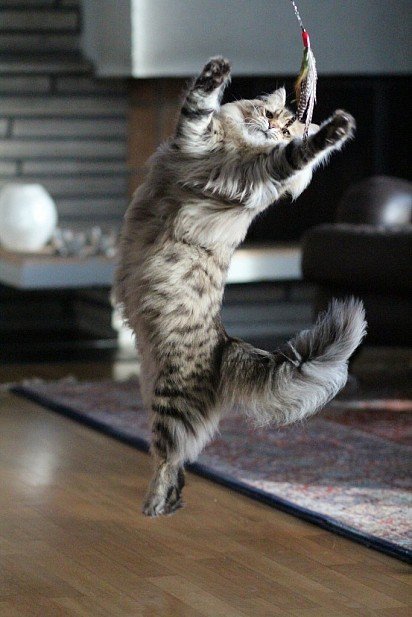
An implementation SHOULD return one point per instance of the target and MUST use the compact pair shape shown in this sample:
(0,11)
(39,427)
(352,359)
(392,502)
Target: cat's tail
(298,379)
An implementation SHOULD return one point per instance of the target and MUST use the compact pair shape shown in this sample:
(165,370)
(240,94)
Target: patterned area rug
(347,469)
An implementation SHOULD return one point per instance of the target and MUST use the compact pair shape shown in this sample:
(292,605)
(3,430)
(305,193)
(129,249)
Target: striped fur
(224,165)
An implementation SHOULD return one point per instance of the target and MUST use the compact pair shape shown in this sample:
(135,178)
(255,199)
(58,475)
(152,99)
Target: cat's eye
(269,115)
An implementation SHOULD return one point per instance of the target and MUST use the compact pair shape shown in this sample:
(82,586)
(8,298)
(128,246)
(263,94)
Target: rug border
(321,520)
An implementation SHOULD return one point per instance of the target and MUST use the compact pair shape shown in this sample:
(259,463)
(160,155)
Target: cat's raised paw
(342,126)
(214,73)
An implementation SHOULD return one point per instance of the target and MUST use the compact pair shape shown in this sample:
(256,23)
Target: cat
(224,165)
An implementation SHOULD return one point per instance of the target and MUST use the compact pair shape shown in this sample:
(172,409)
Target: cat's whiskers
(257,109)
(253,124)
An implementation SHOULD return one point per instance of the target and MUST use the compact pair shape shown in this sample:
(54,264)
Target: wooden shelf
(273,262)
(46,271)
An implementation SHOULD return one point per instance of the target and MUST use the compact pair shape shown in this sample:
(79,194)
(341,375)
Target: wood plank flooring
(74,544)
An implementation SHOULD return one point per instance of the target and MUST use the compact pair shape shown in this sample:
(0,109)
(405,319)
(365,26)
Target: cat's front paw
(340,127)
(214,74)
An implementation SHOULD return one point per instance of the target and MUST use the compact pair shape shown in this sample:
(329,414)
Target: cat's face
(262,121)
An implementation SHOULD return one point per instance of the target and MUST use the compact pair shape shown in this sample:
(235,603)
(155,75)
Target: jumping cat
(224,165)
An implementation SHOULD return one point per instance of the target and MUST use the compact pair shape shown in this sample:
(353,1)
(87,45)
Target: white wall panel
(147,38)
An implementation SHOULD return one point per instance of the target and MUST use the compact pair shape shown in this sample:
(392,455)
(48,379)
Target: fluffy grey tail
(298,379)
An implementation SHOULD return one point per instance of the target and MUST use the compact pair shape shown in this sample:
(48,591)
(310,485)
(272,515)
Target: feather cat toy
(305,86)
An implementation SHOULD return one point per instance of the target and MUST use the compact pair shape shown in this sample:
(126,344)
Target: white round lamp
(28,217)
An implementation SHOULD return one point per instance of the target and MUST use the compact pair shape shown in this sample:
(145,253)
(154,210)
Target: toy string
(298,17)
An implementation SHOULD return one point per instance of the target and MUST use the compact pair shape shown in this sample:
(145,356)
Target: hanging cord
(305,86)
(298,17)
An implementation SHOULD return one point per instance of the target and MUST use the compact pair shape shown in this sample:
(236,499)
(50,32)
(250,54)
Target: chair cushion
(389,316)
(378,200)
(361,257)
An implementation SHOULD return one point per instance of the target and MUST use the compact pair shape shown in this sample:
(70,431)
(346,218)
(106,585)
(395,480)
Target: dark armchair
(368,253)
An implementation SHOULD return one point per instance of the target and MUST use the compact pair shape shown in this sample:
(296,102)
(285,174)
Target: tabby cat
(224,165)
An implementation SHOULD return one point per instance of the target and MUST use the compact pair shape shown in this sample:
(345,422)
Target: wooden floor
(73,541)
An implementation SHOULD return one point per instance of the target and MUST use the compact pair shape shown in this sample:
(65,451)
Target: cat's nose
(273,124)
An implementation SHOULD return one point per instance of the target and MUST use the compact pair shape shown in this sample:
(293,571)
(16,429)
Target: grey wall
(106,35)
(58,124)
(261,37)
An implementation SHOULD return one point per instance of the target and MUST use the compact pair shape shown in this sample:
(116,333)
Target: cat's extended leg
(203,99)
(164,494)
(184,419)
(172,427)
(284,162)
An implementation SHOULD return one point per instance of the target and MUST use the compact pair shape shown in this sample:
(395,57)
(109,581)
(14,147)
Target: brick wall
(63,128)
(58,124)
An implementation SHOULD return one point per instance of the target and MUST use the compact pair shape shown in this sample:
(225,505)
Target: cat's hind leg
(169,436)
(164,493)
(181,426)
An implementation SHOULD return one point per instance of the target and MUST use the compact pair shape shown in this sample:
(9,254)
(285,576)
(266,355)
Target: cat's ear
(279,96)
(277,99)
